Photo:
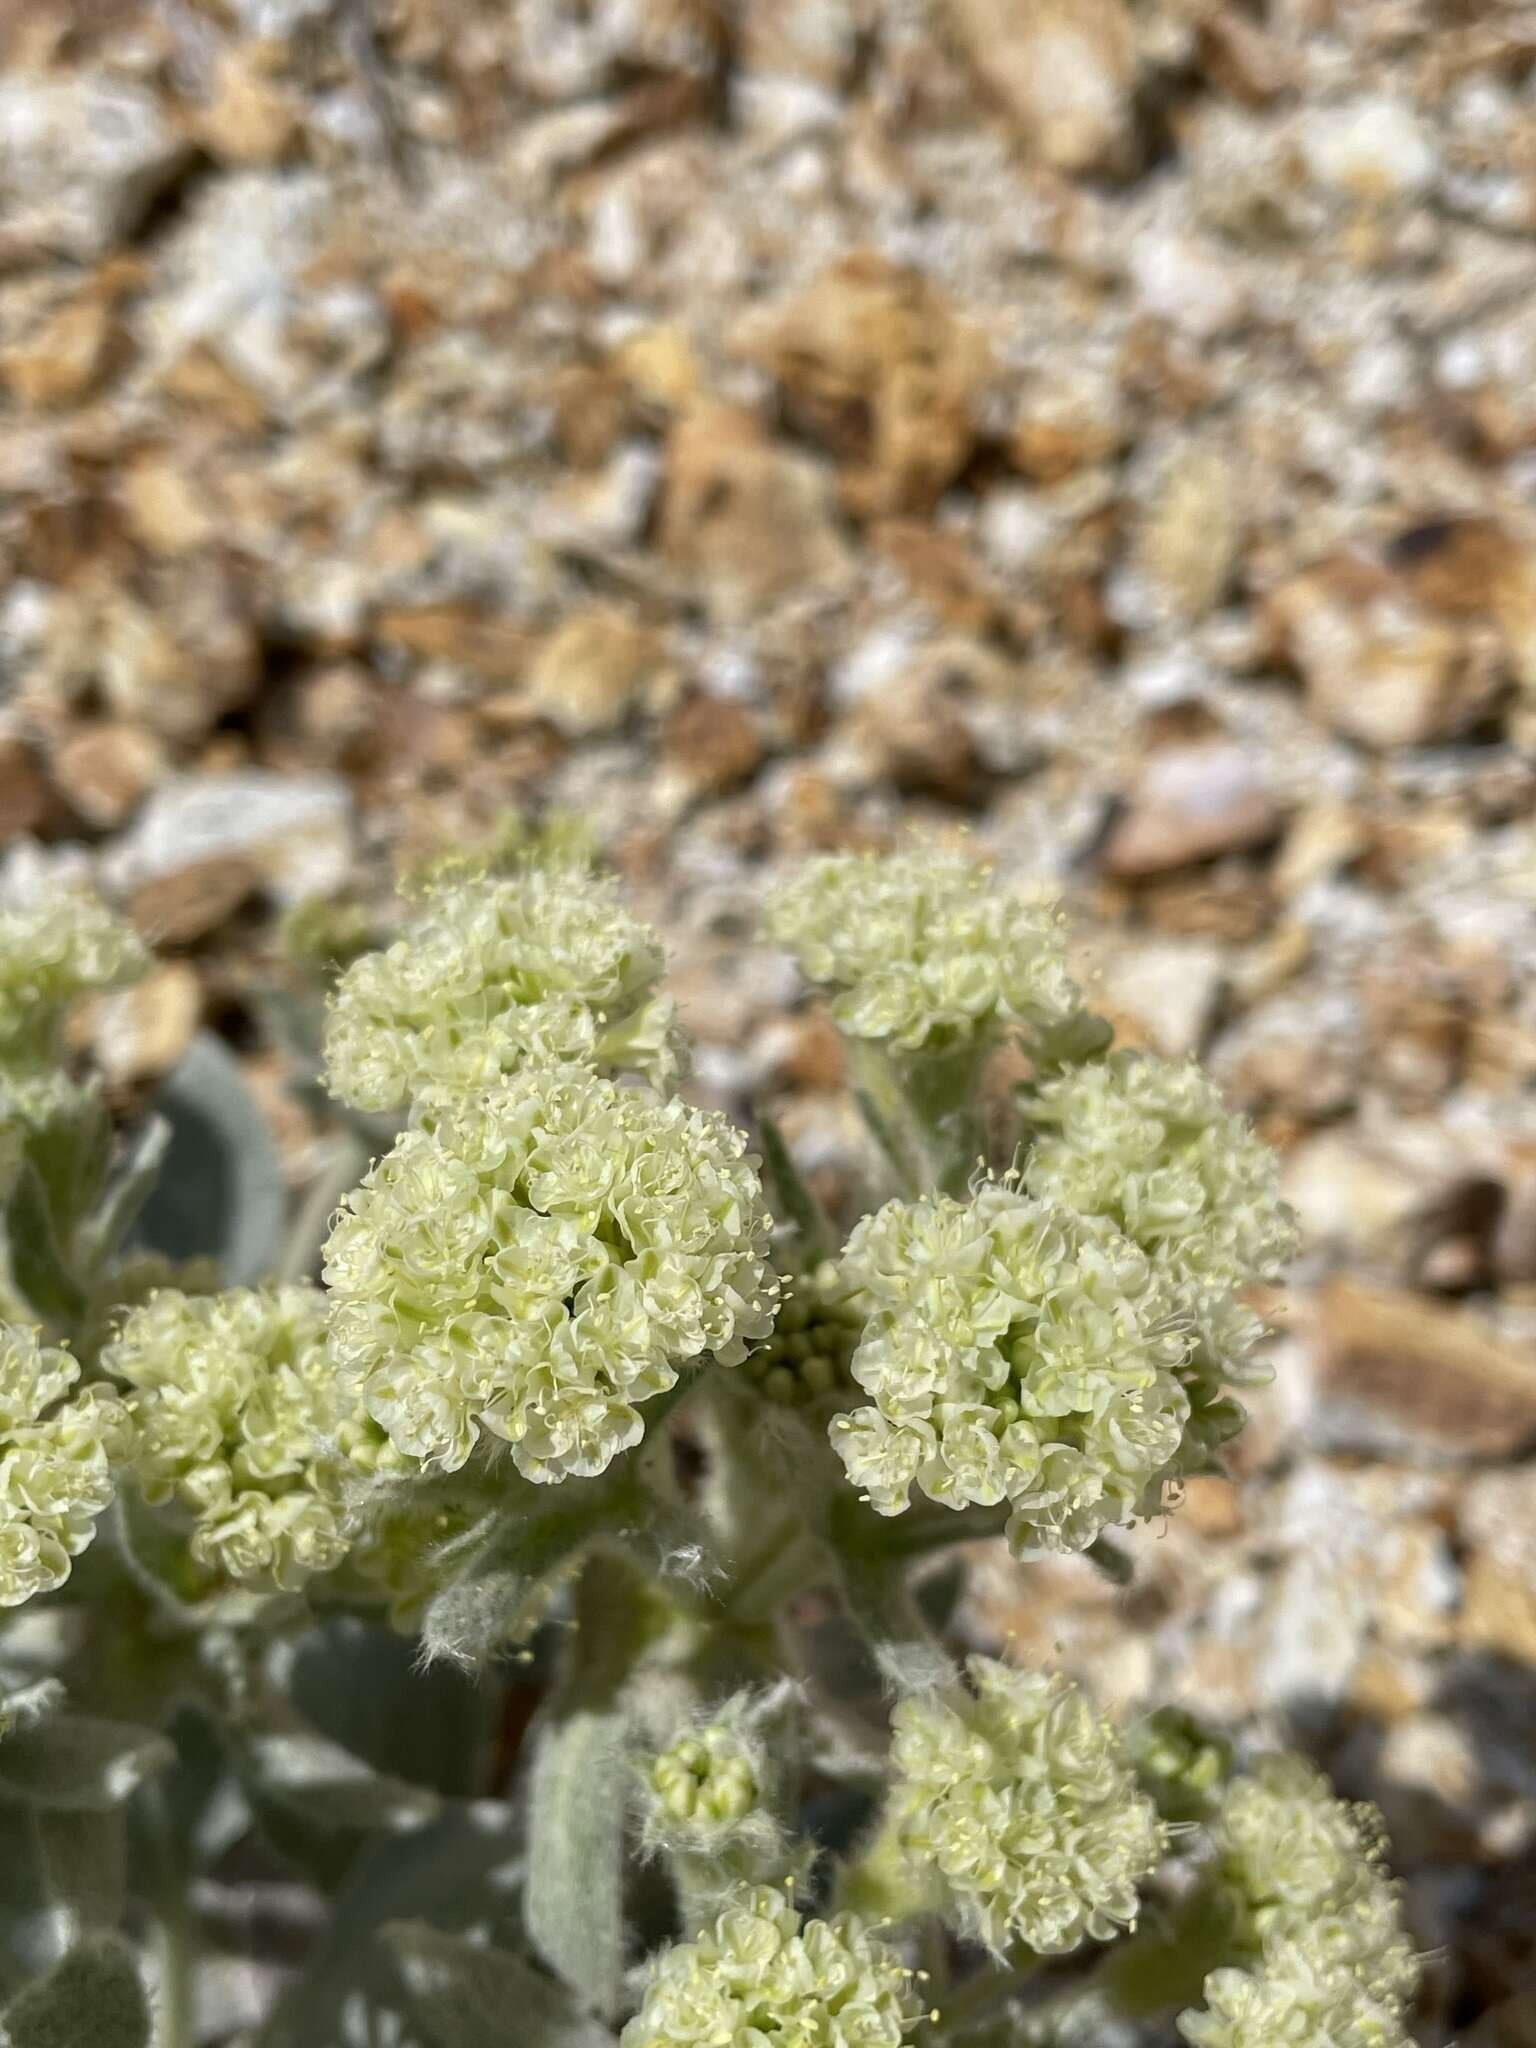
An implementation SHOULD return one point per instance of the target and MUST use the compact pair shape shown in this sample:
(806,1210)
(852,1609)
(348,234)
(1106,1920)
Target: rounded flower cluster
(494,973)
(1302,1873)
(56,1455)
(1022,1798)
(240,1417)
(922,950)
(56,946)
(1013,1352)
(760,1975)
(1149,1144)
(809,1356)
(538,1262)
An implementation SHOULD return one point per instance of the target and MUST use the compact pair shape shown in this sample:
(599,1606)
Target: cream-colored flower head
(496,972)
(1148,1143)
(56,946)
(239,1416)
(1023,1800)
(923,950)
(57,1448)
(1320,1918)
(542,1260)
(760,1975)
(1013,1352)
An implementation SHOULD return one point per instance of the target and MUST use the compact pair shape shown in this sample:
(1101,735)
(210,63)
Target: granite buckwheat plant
(505,1597)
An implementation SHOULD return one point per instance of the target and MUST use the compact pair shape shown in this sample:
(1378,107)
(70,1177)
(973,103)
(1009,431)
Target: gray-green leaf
(465,1995)
(573,1905)
(92,1999)
(75,1763)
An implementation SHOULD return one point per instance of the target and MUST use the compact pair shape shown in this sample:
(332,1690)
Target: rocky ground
(1104,427)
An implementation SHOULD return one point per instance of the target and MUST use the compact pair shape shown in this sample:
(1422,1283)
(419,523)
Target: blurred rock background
(1106,428)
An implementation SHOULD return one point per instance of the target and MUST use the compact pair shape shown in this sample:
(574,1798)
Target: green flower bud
(1180,1763)
(56,946)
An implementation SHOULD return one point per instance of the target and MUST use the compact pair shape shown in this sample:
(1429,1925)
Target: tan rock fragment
(1191,529)
(465,636)
(104,771)
(1191,803)
(1476,569)
(25,799)
(874,362)
(61,361)
(250,118)
(179,908)
(1064,71)
(1397,1373)
(712,745)
(164,506)
(140,1033)
(1378,667)
(595,670)
(750,520)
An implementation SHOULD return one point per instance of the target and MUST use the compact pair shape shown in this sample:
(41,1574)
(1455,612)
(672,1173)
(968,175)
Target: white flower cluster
(760,1977)
(1331,1963)
(239,1416)
(539,1261)
(494,973)
(1013,1352)
(1021,1796)
(56,1455)
(1149,1144)
(56,946)
(923,950)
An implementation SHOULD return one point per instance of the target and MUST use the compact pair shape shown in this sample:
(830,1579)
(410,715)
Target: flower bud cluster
(1303,1873)
(923,950)
(239,1416)
(807,1359)
(57,1449)
(759,1974)
(56,946)
(1013,1352)
(494,973)
(1022,1798)
(541,1260)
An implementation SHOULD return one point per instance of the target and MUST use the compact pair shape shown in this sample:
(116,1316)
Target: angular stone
(1065,72)
(1399,1375)
(596,669)
(81,159)
(1191,803)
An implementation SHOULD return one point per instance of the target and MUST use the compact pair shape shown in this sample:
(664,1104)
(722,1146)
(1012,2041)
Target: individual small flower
(540,1261)
(1319,1919)
(1023,1799)
(57,1448)
(1013,1352)
(239,1416)
(1149,1144)
(496,972)
(57,945)
(923,950)
(761,1977)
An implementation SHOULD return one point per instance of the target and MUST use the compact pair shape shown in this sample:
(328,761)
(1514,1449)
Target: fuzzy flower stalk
(495,973)
(762,1974)
(57,1449)
(538,1262)
(1020,1798)
(240,1417)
